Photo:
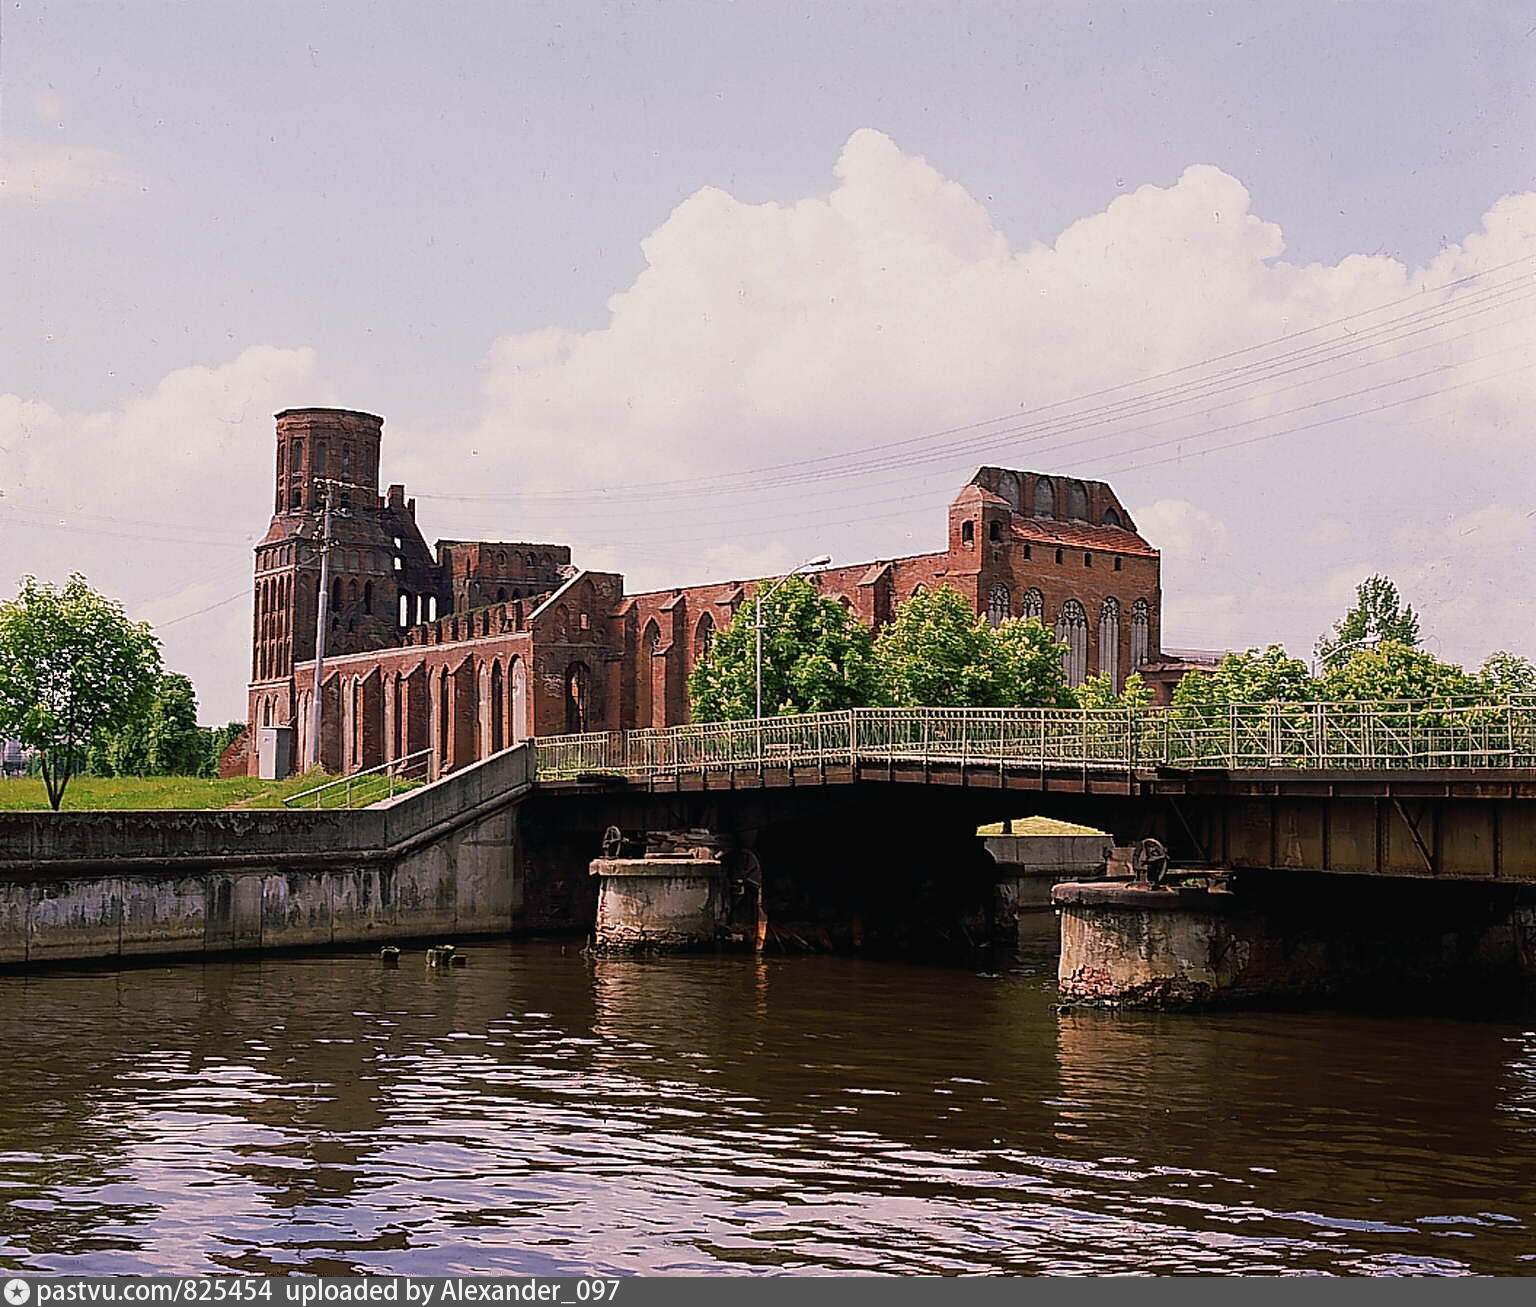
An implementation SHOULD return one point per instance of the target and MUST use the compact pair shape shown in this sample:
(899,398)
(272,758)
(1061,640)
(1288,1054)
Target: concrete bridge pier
(1289,938)
(678,899)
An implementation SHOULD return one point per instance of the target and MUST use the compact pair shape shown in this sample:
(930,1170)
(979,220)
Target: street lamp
(1325,661)
(757,600)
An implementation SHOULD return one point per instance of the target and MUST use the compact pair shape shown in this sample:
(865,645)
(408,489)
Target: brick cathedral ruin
(474,645)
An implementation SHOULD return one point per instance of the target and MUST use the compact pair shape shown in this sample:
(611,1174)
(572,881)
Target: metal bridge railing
(1315,736)
(364,787)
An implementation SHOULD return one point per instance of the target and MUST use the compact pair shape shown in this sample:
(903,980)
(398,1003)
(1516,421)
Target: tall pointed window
(1141,631)
(1032,604)
(1072,631)
(1045,498)
(1077,501)
(1109,641)
(999,607)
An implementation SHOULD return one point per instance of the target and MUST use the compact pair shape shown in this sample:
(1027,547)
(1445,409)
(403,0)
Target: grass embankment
(96,793)
(1039,826)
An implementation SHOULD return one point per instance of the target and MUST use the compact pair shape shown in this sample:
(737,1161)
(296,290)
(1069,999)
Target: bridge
(869,811)
(1396,789)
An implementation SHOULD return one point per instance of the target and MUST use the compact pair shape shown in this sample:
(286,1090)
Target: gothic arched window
(1045,498)
(1032,604)
(999,608)
(1111,518)
(1109,641)
(704,637)
(1141,631)
(1072,631)
(1077,501)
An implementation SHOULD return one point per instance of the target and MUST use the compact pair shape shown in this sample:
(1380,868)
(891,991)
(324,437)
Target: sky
(705,290)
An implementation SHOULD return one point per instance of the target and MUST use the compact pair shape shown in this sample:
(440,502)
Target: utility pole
(322,604)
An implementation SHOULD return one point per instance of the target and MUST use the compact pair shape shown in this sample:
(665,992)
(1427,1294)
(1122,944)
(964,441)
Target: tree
(1253,676)
(73,670)
(817,657)
(1394,670)
(1099,692)
(164,740)
(938,653)
(1378,615)
(1505,675)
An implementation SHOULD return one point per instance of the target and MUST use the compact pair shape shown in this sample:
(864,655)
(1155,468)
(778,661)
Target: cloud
(1388,432)
(37,172)
(1185,532)
(159,502)
(757,335)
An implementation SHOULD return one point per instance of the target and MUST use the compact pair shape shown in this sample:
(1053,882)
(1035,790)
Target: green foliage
(817,657)
(1379,615)
(164,740)
(938,653)
(1395,670)
(1253,676)
(73,671)
(1505,675)
(1099,692)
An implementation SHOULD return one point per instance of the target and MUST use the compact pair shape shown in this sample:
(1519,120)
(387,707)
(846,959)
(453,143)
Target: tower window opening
(994,531)
(967,533)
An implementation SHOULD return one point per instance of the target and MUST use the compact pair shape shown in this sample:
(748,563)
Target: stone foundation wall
(440,861)
(1127,945)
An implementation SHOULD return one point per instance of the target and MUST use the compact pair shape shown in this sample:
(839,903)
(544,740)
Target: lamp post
(757,600)
(1325,661)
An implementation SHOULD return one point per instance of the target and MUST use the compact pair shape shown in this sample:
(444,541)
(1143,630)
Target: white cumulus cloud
(1386,432)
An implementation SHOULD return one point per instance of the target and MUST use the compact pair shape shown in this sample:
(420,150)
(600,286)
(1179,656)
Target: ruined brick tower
(379,566)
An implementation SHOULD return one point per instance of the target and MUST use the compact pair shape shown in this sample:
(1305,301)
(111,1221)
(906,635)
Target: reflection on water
(542,1113)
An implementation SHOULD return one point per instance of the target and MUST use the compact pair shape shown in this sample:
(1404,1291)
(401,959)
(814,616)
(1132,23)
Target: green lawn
(1039,826)
(87,793)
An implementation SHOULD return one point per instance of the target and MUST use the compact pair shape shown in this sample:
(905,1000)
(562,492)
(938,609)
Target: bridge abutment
(1030,866)
(1290,939)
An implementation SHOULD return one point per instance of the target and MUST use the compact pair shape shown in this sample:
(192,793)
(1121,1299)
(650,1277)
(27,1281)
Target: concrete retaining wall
(442,860)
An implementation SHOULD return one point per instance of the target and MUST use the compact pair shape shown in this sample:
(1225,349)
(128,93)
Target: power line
(883,455)
(244,594)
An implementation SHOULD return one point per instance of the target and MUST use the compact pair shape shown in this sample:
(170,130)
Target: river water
(541,1112)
